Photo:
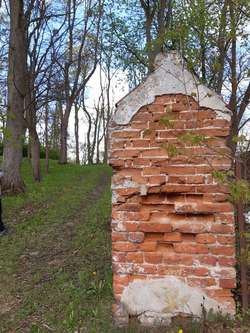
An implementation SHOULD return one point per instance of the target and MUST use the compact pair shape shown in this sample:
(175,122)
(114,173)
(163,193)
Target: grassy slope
(55,267)
(55,264)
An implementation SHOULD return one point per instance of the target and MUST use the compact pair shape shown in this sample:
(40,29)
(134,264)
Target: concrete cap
(169,77)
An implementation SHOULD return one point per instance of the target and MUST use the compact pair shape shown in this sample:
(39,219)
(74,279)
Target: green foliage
(148,132)
(192,138)
(171,149)
(167,120)
(53,153)
(240,139)
(222,177)
(239,189)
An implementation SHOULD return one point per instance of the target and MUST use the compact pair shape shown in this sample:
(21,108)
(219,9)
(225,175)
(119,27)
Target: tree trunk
(150,51)
(31,121)
(63,142)
(12,154)
(77,135)
(46,139)
(243,249)
(234,84)
(35,155)
(221,48)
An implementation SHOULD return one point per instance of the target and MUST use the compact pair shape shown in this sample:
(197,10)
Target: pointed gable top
(169,77)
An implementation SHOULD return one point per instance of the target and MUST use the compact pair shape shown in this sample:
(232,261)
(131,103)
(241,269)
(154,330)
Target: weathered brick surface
(170,216)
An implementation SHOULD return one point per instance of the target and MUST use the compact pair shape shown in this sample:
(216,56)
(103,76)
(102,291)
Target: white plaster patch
(124,184)
(156,301)
(169,77)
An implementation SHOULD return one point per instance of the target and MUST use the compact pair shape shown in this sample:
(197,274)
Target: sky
(119,88)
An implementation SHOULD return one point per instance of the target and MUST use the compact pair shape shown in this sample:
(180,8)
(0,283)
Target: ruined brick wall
(170,217)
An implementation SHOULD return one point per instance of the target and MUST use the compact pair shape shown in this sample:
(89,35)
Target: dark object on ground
(3,229)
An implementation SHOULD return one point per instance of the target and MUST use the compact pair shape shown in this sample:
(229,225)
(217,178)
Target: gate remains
(172,224)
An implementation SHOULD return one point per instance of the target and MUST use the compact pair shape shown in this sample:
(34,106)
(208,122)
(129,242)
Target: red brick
(140,161)
(124,246)
(183,225)
(172,188)
(222,229)
(178,124)
(158,115)
(177,179)
(134,277)
(145,269)
(228,283)
(225,240)
(178,259)
(148,246)
(140,124)
(219,293)
(137,216)
(220,132)
(118,144)
(118,288)
(224,218)
(129,172)
(205,238)
(187,238)
(142,116)
(223,250)
(119,256)
(201,282)
(135,257)
(157,125)
(125,153)
(211,189)
(122,268)
(121,279)
(140,144)
(226,261)
(190,227)
(216,123)
(208,260)
(190,248)
(151,171)
(206,114)
(156,180)
(153,152)
(126,134)
(119,236)
(197,271)
(127,191)
(173,237)
(215,197)
(136,237)
(152,199)
(116,163)
(131,226)
(131,207)
(197,179)
(153,258)
(164,270)
(178,170)
(155,227)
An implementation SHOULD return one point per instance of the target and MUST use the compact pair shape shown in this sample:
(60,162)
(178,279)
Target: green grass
(55,265)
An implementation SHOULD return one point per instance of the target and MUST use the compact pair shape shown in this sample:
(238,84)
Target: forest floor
(55,263)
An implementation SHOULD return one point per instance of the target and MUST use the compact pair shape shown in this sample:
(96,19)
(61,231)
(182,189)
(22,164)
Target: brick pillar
(170,217)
